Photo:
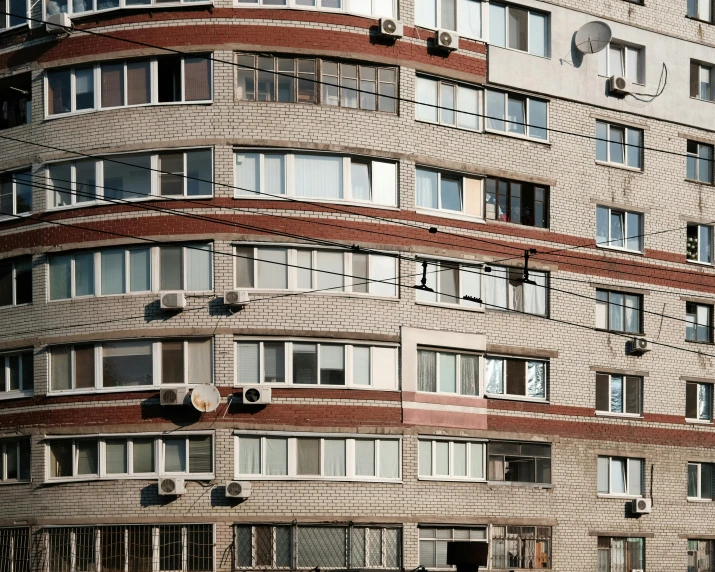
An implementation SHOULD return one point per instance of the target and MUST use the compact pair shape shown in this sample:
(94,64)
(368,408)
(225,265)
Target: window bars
(15,550)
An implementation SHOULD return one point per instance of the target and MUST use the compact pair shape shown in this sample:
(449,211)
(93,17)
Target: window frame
(451,477)
(122,5)
(697,16)
(697,545)
(498,182)
(23,448)
(696,84)
(528,125)
(609,244)
(465,181)
(623,47)
(22,391)
(622,309)
(503,456)
(457,85)
(625,145)
(501,541)
(624,395)
(293,5)
(699,497)
(22,172)
(14,262)
(700,229)
(458,17)
(435,540)
(515,396)
(627,494)
(697,385)
(627,541)
(709,308)
(529,10)
(695,158)
(458,354)
(434,281)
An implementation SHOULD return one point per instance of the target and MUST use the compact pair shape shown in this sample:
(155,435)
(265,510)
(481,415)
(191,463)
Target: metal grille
(14,550)
(341,547)
(521,547)
(167,548)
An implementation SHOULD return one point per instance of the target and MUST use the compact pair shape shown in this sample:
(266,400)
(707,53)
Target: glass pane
(60,277)
(127,364)
(365,458)
(497,24)
(426,13)
(361,365)
(616,145)
(198,267)
(112,85)
(538,34)
(276,456)
(175,455)
(274,174)
(130,179)
(615,57)
(389,459)
(116,451)
(604,475)
(616,314)
(87,457)
(140,270)
(60,179)
(58,92)
(459,463)
(308,452)
(496,104)
(84,88)
(305,269)
(274,362)
(305,363)
(518,28)
(601,141)
(84,274)
(468,102)
(635,477)
(693,480)
(451,194)
(427,98)
(200,454)
(425,458)
(616,394)
(172,362)
(171,268)
(442,458)
(113,279)
(360,181)
(334,463)
(143,455)
(427,189)
(86,181)
(332,365)
(249,455)
(138,82)
(447,373)
(516,115)
(318,176)
(618,229)
(537,119)
(469,23)
(448,14)
(248,362)
(330,270)
(447,97)
(171,178)
(635,142)
(247,173)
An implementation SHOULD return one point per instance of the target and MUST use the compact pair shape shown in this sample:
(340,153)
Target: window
(450,282)
(114,271)
(434,542)
(15,194)
(505,289)
(14,462)
(280,268)
(361,7)
(520,203)
(316,457)
(450,193)
(517,114)
(699,245)
(700,10)
(16,374)
(15,10)
(442,372)
(310,363)
(451,460)
(84,7)
(315,176)
(126,177)
(519,462)
(447,103)
(624,554)
(620,476)
(619,312)
(622,60)
(138,456)
(701,81)
(462,16)
(700,481)
(518,28)
(516,377)
(699,162)
(165,79)
(521,547)
(699,326)
(296,546)
(15,548)
(291,80)
(15,281)
(15,97)
(619,145)
(619,394)
(700,555)
(172,547)
(699,401)
(130,364)
(619,229)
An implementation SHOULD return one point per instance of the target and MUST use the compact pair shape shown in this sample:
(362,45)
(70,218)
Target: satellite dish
(592,37)
(205,398)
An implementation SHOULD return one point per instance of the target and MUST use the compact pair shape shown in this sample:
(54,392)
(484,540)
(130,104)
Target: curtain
(618,476)
(494,373)
(384,268)
(248,173)
(138,82)
(426,371)
(427,188)
(84,274)
(334,450)
(364,458)
(516,110)
(442,458)
(248,362)
(468,99)
(274,174)
(112,85)
(360,273)
(198,267)
(330,270)
(469,366)
(200,361)
(60,368)
(319,176)
(271,269)
(143,455)
(447,373)
(495,283)
(361,365)
(112,271)
(139,270)
(276,456)
(197,79)
(425,459)
(476,460)
(389,459)
(200,455)
(704,401)
(617,311)
(384,183)
(308,456)
(175,455)
(632,313)
(249,455)
(171,268)
(360,181)
(116,456)
(535,295)
(536,379)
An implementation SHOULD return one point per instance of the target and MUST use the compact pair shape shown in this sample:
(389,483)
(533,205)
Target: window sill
(618,497)
(284,385)
(102,109)
(617,249)
(290,199)
(125,389)
(8,218)
(520,484)
(431,29)
(699,421)
(159,6)
(479,309)
(449,214)
(620,333)
(517,398)
(698,263)
(697,500)
(447,125)
(314,478)
(6,395)
(15,482)
(700,98)
(694,182)
(694,19)
(450,479)
(445,394)
(515,224)
(619,166)
(252,292)
(519,51)
(90,478)
(518,136)
(700,343)
(618,415)
(23,305)
(109,202)
(16,28)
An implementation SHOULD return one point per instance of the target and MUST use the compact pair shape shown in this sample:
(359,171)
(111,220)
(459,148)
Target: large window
(315,176)
(619,311)
(521,547)
(136,456)
(15,281)
(620,476)
(699,245)
(516,377)
(85,7)
(291,80)
(515,462)
(619,229)
(520,203)
(622,554)
(699,322)
(317,457)
(519,28)
(622,60)
(701,10)
(505,289)
(448,192)
(130,270)
(15,95)
(699,401)
(701,81)
(462,16)
(165,79)
(447,103)
(307,546)
(517,114)
(311,363)
(699,163)
(620,394)
(16,374)
(434,542)
(375,8)
(619,145)
(701,555)
(15,549)
(14,463)
(700,481)
(280,268)
(139,548)
(130,364)
(15,194)
(449,282)
(443,459)
(126,177)
(444,372)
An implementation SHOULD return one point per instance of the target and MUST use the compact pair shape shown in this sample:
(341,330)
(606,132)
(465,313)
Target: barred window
(313,546)
(521,547)
(175,548)
(15,549)
(625,554)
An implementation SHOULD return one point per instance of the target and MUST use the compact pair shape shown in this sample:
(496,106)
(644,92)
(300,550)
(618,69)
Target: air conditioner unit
(642,506)
(58,23)
(238,489)
(447,40)
(619,85)
(173,395)
(171,486)
(391,28)
(175,300)
(235,298)
(256,395)
(640,346)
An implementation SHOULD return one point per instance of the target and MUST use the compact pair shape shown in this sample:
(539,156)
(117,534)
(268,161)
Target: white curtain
(364,458)
(174,455)
(389,459)
(442,458)
(330,270)
(459,462)
(471,281)
(468,101)
(200,361)
(248,174)
(276,456)
(618,476)
(248,362)
(704,401)
(274,174)
(535,295)
(495,287)
(469,366)
(426,371)
(249,455)
(361,365)
(616,394)
(476,460)
(427,187)
(318,176)
(425,461)
(308,461)
(271,269)
(383,268)
(635,477)
(494,373)
(384,183)
(360,181)
(334,450)
(198,271)
(536,379)
(604,475)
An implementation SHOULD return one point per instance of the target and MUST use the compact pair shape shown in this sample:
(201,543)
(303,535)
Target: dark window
(619,311)
(699,326)
(519,462)
(521,547)
(15,101)
(520,203)
(169,78)
(618,393)
(699,401)
(15,281)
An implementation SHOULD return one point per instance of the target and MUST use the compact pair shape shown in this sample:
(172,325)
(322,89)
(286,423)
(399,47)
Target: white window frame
(697,16)
(625,146)
(446,213)
(609,244)
(14,214)
(292,450)
(702,229)
(458,365)
(627,460)
(458,86)
(515,396)
(13,280)
(697,159)
(123,6)
(623,48)
(527,117)
(624,396)
(5,445)
(452,477)
(435,540)
(103,475)
(529,10)
(433,281)
(6,19)
(699,465)
(458,17)
(345,8)
(606,304)
(702,68)
(7,393)
(696,324)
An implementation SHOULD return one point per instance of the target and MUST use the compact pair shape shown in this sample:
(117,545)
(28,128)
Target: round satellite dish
(592,37)
(205,398)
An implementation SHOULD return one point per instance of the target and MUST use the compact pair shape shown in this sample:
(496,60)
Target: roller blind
(249,455)
(112,85)
(199,361)
(389,459)
(361,365)
(248,362)
(200,455)
(138,83)
(197,79)
(384,183)
(198,271)
(319,176)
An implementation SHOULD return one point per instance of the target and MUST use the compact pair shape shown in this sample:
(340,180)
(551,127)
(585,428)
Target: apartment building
(470,291)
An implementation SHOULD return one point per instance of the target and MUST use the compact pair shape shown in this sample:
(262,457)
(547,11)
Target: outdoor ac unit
(642,506)
(235,298)
(238,489)
(256,395)
(640,345)
(447,40)
(173,395)
(171,486)
(619,85)
(58,23)
(391,28)
(172,300)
